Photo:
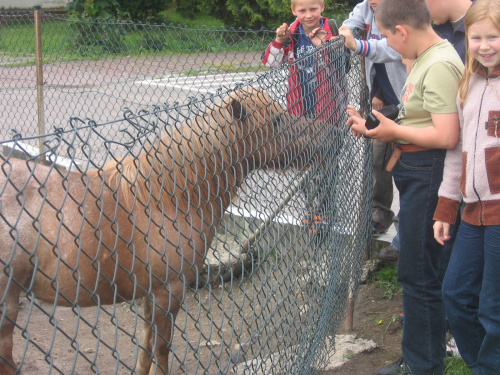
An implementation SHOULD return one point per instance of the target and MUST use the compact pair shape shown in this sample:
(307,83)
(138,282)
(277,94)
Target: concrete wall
(29,4)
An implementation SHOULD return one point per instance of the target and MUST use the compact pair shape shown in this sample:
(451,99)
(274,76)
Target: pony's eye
(277,122)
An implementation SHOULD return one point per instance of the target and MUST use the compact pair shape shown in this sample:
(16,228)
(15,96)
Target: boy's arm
(443,133)
(274,55)
(277,51)
(356,18)
(439,94)
(376,50)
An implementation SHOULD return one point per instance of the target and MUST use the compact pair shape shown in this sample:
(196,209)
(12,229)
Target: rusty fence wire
(201,232)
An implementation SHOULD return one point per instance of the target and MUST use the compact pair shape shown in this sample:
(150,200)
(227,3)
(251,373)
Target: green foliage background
(247,14)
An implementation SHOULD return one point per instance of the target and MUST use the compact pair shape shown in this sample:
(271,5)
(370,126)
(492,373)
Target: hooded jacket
(472,168)
(375,48)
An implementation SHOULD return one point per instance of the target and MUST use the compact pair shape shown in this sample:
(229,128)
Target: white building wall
(29,4)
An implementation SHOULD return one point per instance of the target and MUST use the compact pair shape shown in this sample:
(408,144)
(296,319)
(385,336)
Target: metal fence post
(39,73)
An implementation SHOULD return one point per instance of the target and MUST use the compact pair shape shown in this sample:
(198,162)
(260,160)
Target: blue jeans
(471,292)
(417,176)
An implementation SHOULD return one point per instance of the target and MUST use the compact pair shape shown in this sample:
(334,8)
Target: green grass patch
(455,366)
(64,40)
(387,279)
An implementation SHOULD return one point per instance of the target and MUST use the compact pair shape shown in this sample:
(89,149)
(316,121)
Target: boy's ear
(403,30)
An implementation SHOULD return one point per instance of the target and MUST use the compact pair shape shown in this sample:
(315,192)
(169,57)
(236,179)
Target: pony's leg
(8,316)
(164,325)
(144,361)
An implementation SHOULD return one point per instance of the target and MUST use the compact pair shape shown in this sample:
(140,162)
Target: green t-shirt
(432,85)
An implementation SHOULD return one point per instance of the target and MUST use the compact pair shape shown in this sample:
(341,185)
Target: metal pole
(298,185)
(39,74)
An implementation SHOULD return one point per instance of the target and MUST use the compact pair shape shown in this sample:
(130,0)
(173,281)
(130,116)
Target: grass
(455,366)
(73,40)
(386,278)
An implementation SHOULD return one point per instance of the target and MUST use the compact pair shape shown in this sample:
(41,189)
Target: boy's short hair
(292,2)
(414,13)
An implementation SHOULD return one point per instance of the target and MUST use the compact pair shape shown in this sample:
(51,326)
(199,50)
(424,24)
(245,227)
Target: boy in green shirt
(428,125)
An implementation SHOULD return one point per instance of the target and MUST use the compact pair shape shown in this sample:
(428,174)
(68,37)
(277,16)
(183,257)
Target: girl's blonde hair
(479,10)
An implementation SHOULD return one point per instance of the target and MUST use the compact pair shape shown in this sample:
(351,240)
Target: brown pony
(140,226)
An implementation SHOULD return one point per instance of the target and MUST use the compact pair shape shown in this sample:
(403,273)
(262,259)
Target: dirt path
(374,319)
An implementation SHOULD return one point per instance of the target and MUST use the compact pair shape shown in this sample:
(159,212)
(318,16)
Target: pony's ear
(237,107)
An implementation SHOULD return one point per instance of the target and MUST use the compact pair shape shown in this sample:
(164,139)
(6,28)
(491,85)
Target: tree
(252,14)
(133,10)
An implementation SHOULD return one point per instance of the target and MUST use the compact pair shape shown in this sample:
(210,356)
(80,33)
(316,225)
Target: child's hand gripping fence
(174,238)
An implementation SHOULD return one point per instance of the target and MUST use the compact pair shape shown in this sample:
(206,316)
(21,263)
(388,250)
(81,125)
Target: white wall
(29,4)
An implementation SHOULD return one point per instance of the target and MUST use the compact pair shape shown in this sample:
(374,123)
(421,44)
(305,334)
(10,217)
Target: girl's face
(484,43)
(308,12)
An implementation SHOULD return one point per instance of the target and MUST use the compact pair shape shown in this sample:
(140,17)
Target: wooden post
(39,74)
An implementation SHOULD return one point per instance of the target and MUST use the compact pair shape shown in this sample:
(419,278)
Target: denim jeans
(395,240)
(417,176)
(471,291)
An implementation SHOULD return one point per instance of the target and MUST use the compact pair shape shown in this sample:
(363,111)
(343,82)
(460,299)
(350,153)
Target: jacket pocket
(492,160)
(463,178)
(494,124)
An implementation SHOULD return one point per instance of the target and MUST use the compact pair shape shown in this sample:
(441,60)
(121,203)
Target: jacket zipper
(475,149)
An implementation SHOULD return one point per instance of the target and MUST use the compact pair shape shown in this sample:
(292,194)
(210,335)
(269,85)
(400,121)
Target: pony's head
(269,135)
(215,151)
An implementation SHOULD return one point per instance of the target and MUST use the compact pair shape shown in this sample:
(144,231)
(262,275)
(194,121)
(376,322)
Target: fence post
(39,74)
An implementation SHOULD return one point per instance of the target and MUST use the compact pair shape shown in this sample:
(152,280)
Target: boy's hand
(346,32)
(384,132)
(356,122)
(282,33)
(318,36)
(377,103)
(441,232)
(352,111)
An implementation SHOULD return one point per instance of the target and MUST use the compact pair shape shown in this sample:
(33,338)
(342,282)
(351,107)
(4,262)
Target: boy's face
(374,3)
(395,41)
(308,12)
(437,9)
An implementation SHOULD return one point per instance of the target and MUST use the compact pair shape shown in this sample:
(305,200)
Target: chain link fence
(96,68)
(203,229)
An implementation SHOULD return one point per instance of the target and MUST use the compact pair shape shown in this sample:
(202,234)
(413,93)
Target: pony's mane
(195,156)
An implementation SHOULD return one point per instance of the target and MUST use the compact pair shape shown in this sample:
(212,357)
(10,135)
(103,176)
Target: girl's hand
(318,36)
(441,232)
(282,33)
